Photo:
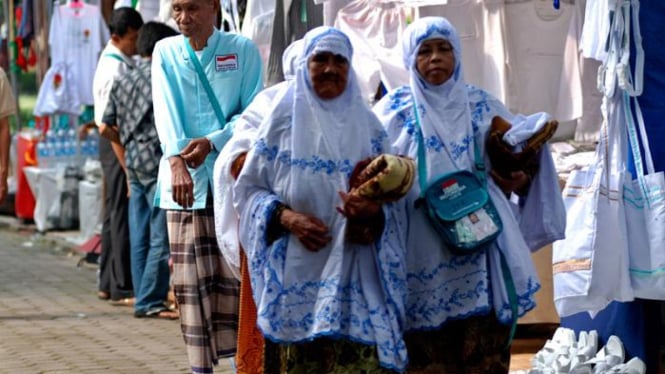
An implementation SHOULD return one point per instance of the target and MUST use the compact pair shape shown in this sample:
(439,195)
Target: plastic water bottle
(94,145)
(89,147)
(50,136)
(74,151)
(70,152)
(61,135)
(46,150)
(43,154)
(58,152)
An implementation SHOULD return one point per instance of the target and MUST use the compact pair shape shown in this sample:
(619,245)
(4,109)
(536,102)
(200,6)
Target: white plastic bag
(590,266)
(644,199)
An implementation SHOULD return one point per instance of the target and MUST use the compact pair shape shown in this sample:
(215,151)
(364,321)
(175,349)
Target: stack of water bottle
(62,147)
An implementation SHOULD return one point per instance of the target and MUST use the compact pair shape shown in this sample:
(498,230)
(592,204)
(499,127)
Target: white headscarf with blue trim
(445,118)
(320,127)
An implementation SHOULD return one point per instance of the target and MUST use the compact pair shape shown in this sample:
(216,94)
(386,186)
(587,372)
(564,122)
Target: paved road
(52,322)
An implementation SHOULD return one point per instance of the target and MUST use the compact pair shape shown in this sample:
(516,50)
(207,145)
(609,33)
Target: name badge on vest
(226,62)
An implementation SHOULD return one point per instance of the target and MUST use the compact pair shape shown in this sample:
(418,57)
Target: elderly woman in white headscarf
(459,308)
(335,306)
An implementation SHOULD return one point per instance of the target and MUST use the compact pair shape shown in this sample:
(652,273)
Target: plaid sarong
(206,290)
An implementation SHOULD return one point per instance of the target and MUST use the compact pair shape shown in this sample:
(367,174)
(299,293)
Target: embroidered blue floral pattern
(459,149)
(478,105)
(377,143)
(431,29)
(314,163)
(525,302)
(401,102)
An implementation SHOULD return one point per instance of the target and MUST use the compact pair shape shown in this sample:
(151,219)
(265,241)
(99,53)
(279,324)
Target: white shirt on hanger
(149,9)
(595,30)
(76,37)
(375,30)
(536,36)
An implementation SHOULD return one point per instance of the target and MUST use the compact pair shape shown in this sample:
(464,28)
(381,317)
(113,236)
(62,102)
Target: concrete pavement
(52,322)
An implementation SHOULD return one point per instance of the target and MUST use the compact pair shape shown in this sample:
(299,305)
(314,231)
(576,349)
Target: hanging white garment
(579,98)
(644,196)
(330,10)
(375,29)
(165,14)
(58,92)
(482,35)
(76,37)
(536,35)
(569,103)
(596,29)
(588,126)
(149,9)
(257,25)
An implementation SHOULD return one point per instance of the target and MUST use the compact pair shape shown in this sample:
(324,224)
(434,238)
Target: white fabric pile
(566,353)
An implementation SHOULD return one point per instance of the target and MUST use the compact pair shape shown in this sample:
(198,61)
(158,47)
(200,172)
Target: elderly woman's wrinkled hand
(311,232)
(358,207)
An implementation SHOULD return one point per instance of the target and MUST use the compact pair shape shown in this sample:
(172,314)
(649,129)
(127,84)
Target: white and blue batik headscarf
(445,118)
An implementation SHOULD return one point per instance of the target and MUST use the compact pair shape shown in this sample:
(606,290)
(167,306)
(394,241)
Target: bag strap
(635,145)
(206,84)
(633,85)
(512,296)
(116,56)
(422,169)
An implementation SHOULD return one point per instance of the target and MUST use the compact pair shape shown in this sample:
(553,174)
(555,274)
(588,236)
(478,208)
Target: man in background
(115,281)
(129,111)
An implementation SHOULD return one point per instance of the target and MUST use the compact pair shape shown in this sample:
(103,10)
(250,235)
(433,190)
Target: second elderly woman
(459,308)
